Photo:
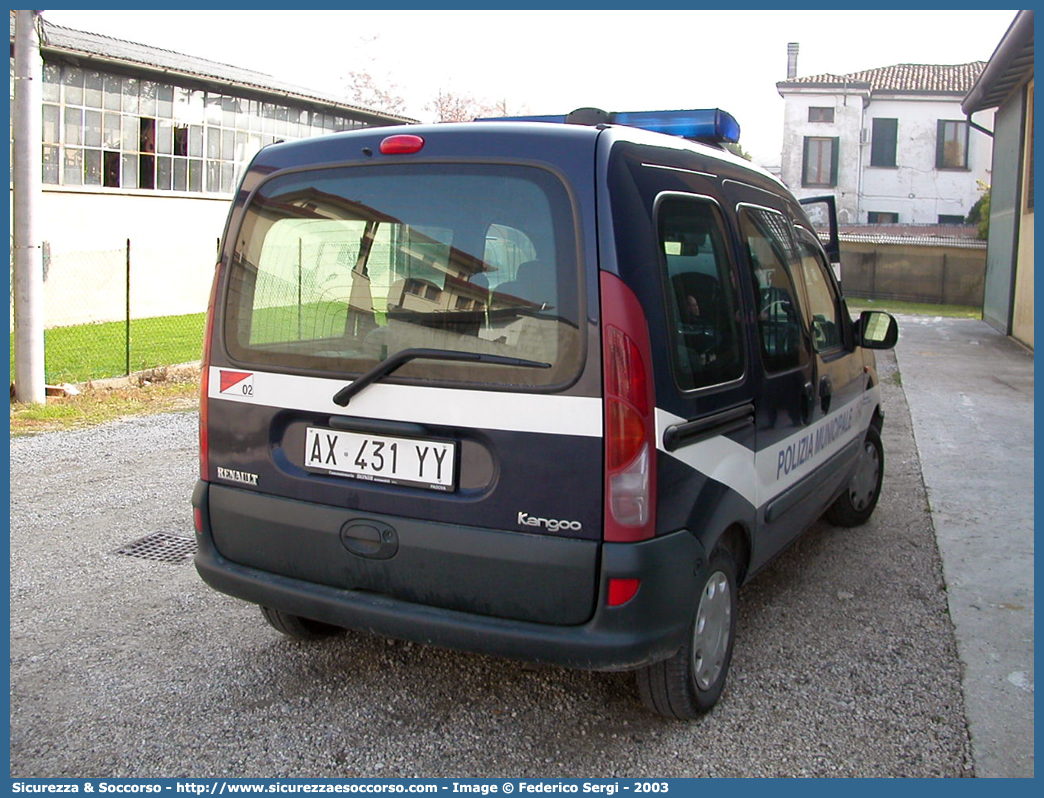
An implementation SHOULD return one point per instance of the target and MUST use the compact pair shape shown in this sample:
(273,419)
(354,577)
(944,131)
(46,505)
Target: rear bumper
(648,628)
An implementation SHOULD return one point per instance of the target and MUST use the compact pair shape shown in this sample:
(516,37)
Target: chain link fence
(109,313)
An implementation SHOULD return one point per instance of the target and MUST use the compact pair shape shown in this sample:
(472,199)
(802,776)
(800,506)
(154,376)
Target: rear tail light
(630,447)
(204,381)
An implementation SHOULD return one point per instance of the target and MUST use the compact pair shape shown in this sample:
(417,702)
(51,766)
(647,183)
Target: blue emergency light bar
(705,124)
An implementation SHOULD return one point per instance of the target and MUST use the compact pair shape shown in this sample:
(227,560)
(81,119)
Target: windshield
(339,269)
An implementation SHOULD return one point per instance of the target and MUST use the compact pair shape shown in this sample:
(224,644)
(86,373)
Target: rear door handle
(826,392)
(809,396)
(690,432)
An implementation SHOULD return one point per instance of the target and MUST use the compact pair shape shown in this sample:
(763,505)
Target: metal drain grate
(162,547)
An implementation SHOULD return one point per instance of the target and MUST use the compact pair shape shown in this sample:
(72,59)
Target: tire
(856,503)
(688,684)
(297,627)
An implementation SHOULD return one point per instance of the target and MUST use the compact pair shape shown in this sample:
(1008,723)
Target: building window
(423,289)
(951,149)
(883,142)
(949,218)
(820,114)
(882,217)
(117,131)
(820,162)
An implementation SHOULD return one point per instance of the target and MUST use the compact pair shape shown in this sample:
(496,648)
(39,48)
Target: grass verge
(157,391)
(96,351)
(915,308)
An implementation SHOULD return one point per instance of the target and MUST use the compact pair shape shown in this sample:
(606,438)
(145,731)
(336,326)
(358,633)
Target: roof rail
(709,125)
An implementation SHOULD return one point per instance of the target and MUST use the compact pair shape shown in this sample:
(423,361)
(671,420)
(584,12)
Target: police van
(550,389)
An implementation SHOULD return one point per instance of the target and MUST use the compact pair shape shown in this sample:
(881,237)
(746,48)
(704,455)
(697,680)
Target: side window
(824,309)
(702,309)
(770,246)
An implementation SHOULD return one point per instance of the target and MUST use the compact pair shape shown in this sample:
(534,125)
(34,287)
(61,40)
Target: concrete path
(970,392)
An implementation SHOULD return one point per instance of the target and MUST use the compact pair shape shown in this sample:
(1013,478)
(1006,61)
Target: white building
(133,134)
(145,145)
(892,144)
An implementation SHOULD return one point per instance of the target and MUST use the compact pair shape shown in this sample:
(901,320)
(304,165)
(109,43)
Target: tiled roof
(933,78)
(74,42)
(922,235)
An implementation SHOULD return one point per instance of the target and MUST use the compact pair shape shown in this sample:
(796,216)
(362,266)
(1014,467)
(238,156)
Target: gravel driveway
(845,663)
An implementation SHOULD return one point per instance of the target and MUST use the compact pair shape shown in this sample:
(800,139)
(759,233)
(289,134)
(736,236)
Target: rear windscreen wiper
(390,364)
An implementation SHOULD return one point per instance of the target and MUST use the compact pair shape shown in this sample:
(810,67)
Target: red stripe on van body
(230,378)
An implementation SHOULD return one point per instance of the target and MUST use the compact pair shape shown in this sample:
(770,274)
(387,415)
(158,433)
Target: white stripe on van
(761,476)
(495,410)
(718,458)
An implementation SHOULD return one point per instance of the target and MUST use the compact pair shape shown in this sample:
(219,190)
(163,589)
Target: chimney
(792,54)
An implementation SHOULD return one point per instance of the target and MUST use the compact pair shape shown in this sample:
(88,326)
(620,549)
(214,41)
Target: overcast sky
(544,62)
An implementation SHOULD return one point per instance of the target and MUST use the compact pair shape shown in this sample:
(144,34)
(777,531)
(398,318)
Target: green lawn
(915,308)
(95,351)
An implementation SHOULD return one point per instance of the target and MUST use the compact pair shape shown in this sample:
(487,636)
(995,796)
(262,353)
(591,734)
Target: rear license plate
(390,460)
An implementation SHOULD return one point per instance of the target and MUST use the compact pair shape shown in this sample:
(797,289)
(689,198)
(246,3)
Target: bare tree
(448,106)
(367,90)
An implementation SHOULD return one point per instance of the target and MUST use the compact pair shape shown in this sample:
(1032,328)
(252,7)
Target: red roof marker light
(401,144)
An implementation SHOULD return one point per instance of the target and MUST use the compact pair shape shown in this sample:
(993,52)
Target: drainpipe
(977,126)
(859,165)
(28,259)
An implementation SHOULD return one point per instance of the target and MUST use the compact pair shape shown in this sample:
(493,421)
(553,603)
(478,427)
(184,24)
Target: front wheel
(856,503)
(690,683)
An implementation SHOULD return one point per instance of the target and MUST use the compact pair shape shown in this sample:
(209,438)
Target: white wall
(915,189)
(82,220)
(848,115)
(173,252)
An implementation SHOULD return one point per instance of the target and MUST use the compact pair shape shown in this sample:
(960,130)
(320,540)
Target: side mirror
(877,330)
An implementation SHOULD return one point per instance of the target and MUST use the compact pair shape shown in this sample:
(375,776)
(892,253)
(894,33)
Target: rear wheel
(690,683)
(856,504)
(297,627)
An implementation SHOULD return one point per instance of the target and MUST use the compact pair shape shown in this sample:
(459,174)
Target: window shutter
(940,143)
(883,144)
(834,147)
(804,163)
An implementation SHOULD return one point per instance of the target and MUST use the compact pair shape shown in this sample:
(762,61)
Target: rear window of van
(337,269)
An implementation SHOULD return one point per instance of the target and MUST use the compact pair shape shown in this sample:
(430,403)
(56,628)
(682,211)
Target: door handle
(809,396)
(826,392)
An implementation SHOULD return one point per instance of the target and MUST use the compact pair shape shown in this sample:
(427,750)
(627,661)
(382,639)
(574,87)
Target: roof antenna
(588,116)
